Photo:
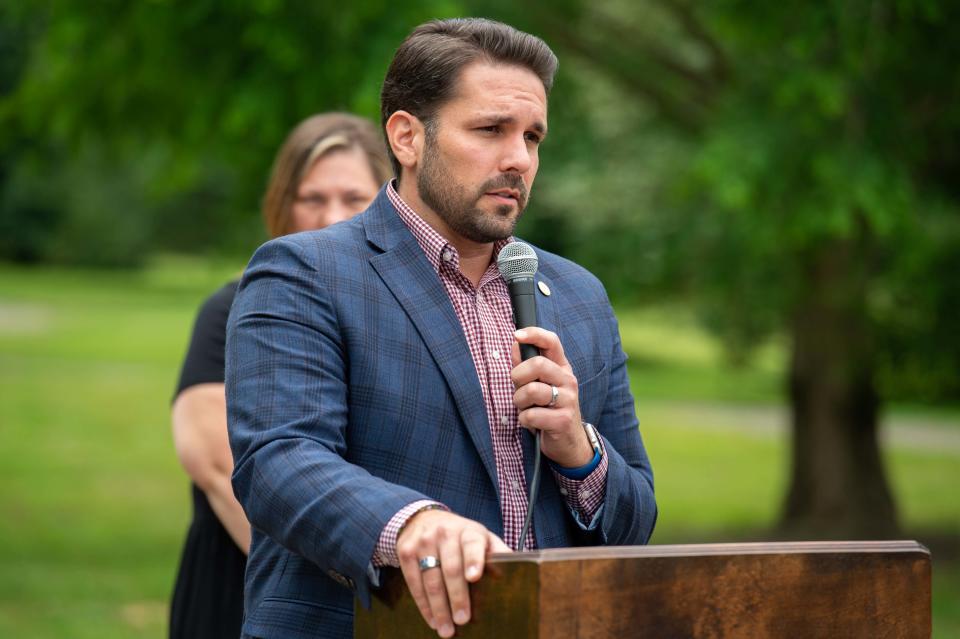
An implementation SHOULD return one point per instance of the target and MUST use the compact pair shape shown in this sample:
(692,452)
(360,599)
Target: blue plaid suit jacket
(351,392)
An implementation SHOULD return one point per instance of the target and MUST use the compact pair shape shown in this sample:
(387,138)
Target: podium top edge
(702,550)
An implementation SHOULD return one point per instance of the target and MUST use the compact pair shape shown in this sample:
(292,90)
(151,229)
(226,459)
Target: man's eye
(533,137)
(493,128)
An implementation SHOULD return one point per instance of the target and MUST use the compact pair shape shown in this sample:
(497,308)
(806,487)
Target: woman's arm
(200,438)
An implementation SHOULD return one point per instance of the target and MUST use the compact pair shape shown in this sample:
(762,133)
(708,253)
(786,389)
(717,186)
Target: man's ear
(405,135)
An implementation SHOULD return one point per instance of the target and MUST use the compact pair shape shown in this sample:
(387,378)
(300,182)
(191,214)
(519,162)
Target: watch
(584,471)
(594,438)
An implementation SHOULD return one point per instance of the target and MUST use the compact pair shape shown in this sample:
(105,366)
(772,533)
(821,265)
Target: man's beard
(439,190)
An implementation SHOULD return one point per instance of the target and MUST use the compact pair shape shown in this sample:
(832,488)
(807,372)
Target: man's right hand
(461,545)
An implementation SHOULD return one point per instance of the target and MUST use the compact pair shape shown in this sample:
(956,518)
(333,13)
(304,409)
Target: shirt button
(447,255)
(496,354)
(504,420)
(585,493)
(563,491)
(515,484)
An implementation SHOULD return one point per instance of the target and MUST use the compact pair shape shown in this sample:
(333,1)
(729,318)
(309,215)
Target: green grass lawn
(93,505)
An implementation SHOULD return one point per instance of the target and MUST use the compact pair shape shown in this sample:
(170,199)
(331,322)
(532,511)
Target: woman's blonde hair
(312,139)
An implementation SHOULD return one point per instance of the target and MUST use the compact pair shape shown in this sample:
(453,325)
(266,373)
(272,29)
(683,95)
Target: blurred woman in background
(329,169)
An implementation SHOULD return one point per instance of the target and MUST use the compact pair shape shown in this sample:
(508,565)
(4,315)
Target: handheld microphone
(517,263)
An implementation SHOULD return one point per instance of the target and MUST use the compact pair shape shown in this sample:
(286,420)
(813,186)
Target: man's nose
(517,156)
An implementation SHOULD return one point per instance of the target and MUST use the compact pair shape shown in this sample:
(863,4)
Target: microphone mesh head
(517,259)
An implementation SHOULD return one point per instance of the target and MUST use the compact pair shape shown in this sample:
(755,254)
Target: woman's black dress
(208,596)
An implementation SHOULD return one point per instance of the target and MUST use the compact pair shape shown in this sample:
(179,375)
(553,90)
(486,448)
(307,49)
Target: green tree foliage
(839,129)
(153,124)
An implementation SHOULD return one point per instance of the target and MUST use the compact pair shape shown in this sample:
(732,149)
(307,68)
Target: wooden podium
(807,589)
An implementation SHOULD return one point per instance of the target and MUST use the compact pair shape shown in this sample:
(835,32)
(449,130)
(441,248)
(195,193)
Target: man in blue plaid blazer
(356,414)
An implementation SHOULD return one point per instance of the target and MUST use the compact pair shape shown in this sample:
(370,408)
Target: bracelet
(417,512)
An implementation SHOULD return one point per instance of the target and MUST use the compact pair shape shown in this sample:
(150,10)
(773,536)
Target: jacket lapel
(405,270)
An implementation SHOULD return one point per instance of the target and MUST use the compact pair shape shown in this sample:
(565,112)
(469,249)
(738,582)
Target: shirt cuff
(585,496)
(385,553)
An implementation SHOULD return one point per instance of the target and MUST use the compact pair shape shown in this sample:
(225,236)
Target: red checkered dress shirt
(487,319)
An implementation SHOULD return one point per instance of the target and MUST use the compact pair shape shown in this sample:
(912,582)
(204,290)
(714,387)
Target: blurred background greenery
(768,190)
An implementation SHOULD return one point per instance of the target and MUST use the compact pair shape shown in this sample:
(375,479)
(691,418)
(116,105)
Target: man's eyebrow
(493,118)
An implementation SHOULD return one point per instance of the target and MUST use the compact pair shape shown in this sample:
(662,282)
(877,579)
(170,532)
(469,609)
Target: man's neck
(475,257)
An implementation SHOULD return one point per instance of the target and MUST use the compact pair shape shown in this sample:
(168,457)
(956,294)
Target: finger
(474,544)
(547,341)
(436,590)
(538,369)
(458,593)
(549,420)
(477,544)
(495,544)
(515,354)
(537,394)
(410,568)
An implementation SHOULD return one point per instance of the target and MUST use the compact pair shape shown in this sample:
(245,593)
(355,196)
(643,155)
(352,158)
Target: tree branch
(684,14)
(705,83)
(687,110)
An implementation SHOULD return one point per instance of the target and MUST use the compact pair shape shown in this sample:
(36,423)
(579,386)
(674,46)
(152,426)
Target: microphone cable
(534,488)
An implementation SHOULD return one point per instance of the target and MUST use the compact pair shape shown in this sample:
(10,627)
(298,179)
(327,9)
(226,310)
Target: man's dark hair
(427,64)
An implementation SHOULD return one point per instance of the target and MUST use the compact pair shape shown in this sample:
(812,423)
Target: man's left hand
(564,440)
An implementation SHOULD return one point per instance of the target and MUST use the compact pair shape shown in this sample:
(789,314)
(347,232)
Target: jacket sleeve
(629,508)
(287,391)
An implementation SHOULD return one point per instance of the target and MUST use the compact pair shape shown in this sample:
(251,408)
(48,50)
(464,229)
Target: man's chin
(486,231)
(496,232)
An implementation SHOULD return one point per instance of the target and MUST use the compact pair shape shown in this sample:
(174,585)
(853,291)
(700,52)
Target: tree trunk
(838,488)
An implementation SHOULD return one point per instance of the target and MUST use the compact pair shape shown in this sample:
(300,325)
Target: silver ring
(555,393)
(429,562)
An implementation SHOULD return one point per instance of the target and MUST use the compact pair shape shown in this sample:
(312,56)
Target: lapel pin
(543,288)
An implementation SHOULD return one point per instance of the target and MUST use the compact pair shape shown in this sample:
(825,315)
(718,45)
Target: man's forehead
(500,91)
